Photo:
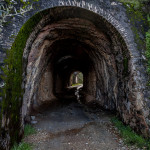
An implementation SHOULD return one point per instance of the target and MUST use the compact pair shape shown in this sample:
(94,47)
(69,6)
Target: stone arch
(111,51)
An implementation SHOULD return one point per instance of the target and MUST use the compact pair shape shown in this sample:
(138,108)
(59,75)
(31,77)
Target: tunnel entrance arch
(70,38)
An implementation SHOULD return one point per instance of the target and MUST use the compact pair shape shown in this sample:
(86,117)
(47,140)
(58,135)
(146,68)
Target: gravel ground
(72,127)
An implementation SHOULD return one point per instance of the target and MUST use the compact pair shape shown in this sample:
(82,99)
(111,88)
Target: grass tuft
(22,146)
(29,130)
(129,136)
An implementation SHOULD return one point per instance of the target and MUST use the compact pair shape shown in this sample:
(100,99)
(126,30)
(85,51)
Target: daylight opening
(76,78)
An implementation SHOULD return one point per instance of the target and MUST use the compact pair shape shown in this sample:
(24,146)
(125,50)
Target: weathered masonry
(93,37)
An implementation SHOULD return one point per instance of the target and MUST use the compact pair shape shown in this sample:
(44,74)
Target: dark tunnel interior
(69,56)
(78,41)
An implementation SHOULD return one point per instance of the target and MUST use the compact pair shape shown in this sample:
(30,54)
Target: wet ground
(74,127)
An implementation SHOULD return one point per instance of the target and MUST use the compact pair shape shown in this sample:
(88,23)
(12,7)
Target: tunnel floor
(74,127)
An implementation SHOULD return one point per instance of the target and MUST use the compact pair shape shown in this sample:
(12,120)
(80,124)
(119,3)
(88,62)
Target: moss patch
(12,92)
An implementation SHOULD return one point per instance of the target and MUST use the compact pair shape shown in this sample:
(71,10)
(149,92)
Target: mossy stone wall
(14,34)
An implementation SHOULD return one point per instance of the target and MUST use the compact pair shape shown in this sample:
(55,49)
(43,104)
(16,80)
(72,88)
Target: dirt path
(72,127)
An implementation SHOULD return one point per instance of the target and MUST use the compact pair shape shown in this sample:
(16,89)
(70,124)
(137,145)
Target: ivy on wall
(12,92)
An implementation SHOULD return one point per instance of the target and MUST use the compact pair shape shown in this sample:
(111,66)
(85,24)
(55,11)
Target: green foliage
(12,92)
(129,136)
(29,130)
(22,146)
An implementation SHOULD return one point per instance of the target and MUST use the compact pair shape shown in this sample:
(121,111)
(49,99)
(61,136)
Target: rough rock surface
(107,64)
(115,74)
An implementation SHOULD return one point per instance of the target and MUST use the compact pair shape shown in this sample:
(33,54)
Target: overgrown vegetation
(28,130)
(129,136)
(12,92)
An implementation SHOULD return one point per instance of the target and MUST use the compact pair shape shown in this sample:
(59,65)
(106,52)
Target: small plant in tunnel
(29,130)
(76,78)
(22,146)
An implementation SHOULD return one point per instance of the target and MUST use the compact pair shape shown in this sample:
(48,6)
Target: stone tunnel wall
(13,24)
(115,13)
(114,60)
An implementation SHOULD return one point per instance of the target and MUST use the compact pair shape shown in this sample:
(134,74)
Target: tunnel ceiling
(70,55)
(72,39)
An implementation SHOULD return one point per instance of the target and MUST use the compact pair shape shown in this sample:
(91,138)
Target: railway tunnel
(95,38)
(72,39)
(73,44)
